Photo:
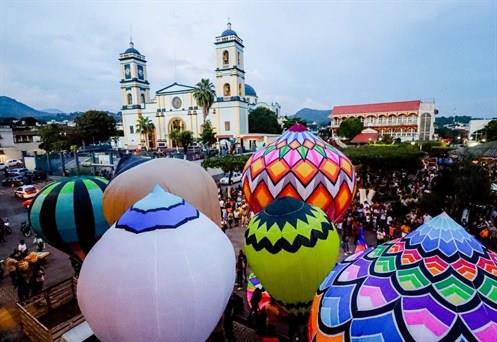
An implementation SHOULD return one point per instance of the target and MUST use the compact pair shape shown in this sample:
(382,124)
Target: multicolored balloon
(252,284)
(291,246)
(68,214)
(147,278)
(300,165)
(438,283)
(180,177)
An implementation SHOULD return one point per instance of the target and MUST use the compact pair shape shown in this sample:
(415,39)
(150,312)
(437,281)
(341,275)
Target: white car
(14,162)
(2,166)
(26,191)
(235,178)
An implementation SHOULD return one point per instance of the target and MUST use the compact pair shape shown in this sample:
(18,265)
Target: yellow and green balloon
(291,247)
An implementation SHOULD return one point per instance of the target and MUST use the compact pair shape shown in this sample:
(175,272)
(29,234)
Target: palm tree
(144,126)
(204,95)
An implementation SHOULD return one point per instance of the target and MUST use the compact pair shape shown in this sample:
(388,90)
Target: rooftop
(377,107)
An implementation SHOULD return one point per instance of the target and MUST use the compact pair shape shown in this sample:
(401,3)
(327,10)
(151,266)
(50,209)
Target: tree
(263,120)
(186,139)
(204,94)
(491,130)
(208,135)
(144,126)
(53,138)
(292,120)
(387,139)
(95,126)
(349,128)
(228,163)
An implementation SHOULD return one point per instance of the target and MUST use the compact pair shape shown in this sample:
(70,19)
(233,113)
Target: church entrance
(176,125)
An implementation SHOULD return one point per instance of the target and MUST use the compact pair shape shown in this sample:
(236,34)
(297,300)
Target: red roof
(364,138)
(377,107)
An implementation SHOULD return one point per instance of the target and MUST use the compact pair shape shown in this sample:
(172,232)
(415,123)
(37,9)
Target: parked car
(14,163)
(12,181)
(235,178)
(3,166)
(26,191)
(35,175)
(20,171)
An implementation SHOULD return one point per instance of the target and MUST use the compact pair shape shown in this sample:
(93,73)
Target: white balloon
(160,283)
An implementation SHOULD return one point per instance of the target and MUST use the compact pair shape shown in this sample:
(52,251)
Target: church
(174,107)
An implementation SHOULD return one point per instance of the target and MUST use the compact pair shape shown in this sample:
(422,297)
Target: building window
(131,130)
(238,57)
(226,125)
(425,127)
(240,90)
(143,98)
(227,90)
(226,57)
(130,99)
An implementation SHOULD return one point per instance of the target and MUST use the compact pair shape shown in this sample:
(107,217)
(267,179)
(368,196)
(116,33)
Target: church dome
(249,90)
(228,32)
(132,49)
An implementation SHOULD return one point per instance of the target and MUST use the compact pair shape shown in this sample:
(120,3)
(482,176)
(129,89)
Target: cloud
(64,54)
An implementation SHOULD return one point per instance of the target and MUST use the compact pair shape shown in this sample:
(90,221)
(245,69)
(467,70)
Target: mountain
(52,111)
(11,107)
(310,115)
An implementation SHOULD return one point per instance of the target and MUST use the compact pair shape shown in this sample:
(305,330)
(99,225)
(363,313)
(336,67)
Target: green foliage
(95,126)
(228,163)
(53,138)
(491,130)
(445,120)
(387,139)
(208,135)
(349,128)
(263,120)
(290,121)
(144,126)
(204,94)
(182,138)
(385,156)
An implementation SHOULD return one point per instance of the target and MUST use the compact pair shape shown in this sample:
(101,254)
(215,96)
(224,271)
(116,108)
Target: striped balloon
(68,214)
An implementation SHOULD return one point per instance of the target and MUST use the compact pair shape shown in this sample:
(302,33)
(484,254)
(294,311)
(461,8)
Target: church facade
(174,106)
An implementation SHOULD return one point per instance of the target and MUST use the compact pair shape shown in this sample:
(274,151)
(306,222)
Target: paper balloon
(437,283)
(180,177)
(68,214)
(147,278)
(291,246)
(300,165)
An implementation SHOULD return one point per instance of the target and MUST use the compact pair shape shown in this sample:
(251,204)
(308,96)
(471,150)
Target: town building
(174,107)
(407,120)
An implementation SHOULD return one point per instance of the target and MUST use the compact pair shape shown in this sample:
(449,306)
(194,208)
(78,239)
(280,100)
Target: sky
(315,54)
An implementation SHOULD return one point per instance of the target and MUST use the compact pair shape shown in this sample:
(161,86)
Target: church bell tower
(135,89)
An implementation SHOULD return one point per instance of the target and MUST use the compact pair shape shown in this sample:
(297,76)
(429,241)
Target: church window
(240,90)
(131,130)
(238,58)
(130,99)
(227,90)
(143,98)
(226,57)
(226,125)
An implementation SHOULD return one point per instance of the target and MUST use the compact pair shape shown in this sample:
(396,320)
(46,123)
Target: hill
(310,115)
(11,107)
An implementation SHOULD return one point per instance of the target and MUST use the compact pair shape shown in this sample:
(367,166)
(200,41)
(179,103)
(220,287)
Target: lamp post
(196,123)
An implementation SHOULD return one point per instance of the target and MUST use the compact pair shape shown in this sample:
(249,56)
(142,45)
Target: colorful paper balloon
(180,177)
(252,284)
(68,214)
(437,283)
(147,278)
(291,246)
(300,165)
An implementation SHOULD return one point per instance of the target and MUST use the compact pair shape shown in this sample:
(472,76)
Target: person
(235,304)
(254,304)
(22,247)
(243,258)
(38,242)
(380,236)
(11,266)
(272,317)
(37,280)
(239,273)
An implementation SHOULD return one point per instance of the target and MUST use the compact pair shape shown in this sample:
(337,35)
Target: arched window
(143,98)
(227,90)
(130,99)
(238,58)
(226,57)
(240,90)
